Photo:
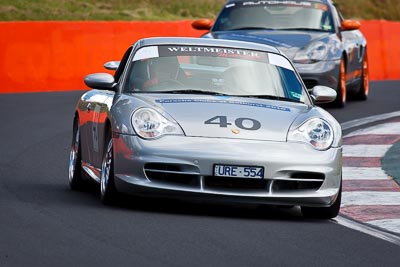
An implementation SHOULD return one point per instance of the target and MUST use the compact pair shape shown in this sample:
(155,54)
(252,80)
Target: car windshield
(275,15)
(213,71)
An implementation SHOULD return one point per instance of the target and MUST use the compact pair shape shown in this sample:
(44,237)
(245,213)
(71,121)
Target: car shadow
(204,209)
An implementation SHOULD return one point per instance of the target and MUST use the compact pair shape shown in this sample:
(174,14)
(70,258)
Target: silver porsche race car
(325,48)
(213,120)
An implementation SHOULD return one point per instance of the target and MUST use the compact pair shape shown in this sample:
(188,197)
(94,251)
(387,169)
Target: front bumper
(182,167)
(324,73)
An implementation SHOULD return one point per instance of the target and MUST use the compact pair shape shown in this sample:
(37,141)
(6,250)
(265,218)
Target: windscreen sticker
(321,6)
(280,61)
(146,53)
(295,95)
(327,27)
(220,101)
(286,3)
(211,52)
(165,51)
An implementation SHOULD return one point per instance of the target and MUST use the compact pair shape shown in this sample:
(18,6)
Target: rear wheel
(108,192)
(341,91)
(362,93)
(76,181)
(324,212)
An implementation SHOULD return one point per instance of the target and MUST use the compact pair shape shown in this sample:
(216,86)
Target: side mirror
(112,65)
(350,25)
(323,94)
(202,24)
(100,81)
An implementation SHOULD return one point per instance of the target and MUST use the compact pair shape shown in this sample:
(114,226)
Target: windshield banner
(207,51)
(307,4)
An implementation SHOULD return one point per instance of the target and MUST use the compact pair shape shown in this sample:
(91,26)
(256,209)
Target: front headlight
(316,51)
(316,132)
(150,124)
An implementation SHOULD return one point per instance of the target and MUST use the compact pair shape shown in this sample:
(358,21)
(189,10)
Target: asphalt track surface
(44,223)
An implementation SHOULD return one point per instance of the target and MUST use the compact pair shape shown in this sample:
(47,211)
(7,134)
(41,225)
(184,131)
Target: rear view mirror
(323,94)
(100,81)
(202,24)
(112,65)
(350,25)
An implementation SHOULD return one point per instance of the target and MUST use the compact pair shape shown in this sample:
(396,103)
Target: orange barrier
(383,39)
(54,56)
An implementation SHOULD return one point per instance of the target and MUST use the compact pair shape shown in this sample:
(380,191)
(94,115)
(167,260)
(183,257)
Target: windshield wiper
(251,28)
(273,97)
(302,29)
(189,91)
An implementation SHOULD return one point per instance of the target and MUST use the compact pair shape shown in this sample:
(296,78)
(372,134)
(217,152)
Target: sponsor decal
(296,95)
(327,27)
(280,61)
(235,131)
(171,51)
(221,101)
(286,3)
(146,53)
(222,96)
(321,6)
(211,52)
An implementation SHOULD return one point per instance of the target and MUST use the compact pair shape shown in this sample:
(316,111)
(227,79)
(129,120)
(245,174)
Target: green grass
(370,9)
(108,9)
(162,9)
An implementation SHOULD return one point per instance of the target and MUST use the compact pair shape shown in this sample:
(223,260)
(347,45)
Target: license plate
(238,171)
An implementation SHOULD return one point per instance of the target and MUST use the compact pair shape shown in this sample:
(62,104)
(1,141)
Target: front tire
(108,192)
(341,91)
(324,212)
(362,93)
(75,177)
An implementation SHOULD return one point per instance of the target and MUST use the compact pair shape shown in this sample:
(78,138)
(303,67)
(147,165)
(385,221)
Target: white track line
(386,129)
(365,150)
(371,119)
(368,173)
(392,225)
(368,198)
(368,230)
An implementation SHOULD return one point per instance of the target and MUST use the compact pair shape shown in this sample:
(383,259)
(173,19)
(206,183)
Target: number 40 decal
(242,123)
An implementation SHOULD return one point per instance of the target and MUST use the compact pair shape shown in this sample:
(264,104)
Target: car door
(100,110)
(86,117)
(100,105)
(353,46)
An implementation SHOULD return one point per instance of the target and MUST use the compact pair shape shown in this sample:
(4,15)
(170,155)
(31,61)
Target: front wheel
(362,93)
(76,181)
(324,212)
(108,191)
(341,91)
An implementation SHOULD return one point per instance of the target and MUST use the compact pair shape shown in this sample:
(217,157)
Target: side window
(337,16)
(137,75)
(122,65)
(294,89)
